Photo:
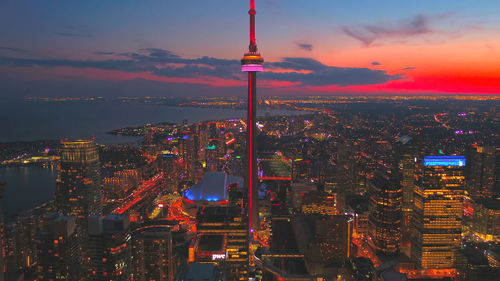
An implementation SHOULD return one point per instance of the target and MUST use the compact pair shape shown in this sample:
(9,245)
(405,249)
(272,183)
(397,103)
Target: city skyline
(357,159)
(358,187)
(173,49)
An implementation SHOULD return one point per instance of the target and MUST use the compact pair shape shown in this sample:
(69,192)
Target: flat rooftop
(211,243)
(201,271)
(453,161)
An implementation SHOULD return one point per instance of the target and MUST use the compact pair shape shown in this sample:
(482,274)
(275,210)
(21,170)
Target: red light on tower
(252,63)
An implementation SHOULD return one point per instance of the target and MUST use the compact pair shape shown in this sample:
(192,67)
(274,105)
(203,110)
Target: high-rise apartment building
(78,190)
(407,166)
(385,212)
(188,157)
(346,174)
(324,240)
(481,177)
(59,248)
(170,167)
(152,253)
(438,212)
(108,248)
(212,155)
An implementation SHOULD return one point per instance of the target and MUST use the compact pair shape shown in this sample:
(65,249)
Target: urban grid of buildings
(351,189)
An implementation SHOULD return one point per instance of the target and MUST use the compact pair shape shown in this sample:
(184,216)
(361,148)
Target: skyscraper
(59,249)
(169,164)
(486,222)
(385,212)
(78,190)
(188,157)
(346,173)
(407,165)
(323,239)
(212,155)
(438,211)
(252,63)
(227,221)
(109,248)
(152,253)
(481,177)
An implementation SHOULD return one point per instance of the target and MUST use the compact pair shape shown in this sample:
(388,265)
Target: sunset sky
(193,47)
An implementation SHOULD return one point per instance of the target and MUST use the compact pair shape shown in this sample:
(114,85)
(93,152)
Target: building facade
(438,212)
(108,248)
(59,250)
(78,188)
(385,211)
(228,221)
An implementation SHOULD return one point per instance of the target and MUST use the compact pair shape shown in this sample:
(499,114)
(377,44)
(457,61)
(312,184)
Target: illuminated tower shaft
(252,63)
(251,177)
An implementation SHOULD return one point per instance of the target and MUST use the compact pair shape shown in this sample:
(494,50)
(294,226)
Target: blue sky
(344,34)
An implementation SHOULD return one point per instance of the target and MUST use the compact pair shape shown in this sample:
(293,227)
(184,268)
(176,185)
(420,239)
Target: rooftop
(211,243)
(453,161)
(201,271)
(492,204)
(212,187)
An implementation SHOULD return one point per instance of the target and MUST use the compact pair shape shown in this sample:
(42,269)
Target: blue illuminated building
(212,187)
(450,161)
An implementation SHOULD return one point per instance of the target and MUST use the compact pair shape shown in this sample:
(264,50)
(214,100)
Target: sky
(194,47)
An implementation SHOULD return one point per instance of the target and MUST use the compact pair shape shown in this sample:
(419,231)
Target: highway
(148,187)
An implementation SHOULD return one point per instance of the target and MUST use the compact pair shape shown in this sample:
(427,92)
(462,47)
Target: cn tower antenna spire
(252,12)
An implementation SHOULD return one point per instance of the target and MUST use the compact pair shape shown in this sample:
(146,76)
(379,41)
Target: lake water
(26,188)
(25,120)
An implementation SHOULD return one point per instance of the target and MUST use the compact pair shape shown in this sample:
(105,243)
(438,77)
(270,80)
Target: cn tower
(252,63)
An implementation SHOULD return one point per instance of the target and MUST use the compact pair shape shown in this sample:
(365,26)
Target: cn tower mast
(252,63)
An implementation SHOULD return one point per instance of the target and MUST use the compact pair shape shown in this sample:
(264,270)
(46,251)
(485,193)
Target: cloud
(104,53)
(299,64)
(408,68)
(72,34)
(122,65)
(323,75)
(370,33)
(305,46)
(75,31)
(159,53)
(375,63)
(208,70)
(14,50)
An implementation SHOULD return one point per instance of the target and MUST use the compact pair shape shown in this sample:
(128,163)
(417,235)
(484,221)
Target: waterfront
(26,188)
(26,120)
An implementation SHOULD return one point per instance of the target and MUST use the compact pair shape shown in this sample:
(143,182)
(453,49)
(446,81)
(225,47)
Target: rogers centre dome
(212,189)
